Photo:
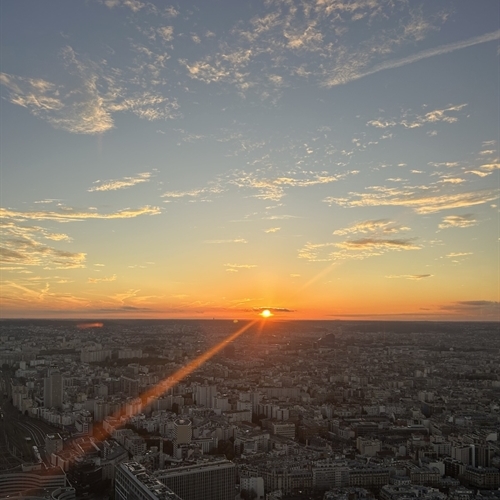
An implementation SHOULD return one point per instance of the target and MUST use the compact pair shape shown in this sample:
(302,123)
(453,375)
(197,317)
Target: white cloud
(198,193)
(88,105)
(171,11)
(381,226)
(126,182)
(489,167)
(99,280)
(272,230)
(461,221)
(71,215)
(234,268)
(478,173)
(412,120)
(167,33)
(273,188)
(22,247)
(422,199)
(358,249)
(133,5)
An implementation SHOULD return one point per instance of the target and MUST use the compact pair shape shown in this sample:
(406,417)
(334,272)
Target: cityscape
(286,410)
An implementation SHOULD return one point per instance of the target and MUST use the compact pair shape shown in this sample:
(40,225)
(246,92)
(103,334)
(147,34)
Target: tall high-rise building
(133,482)
(182,431)
(53,390)
(204,394)
(213,480)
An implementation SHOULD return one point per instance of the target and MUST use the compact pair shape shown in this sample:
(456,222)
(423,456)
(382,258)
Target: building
(368,477)
(93,355)
(405,492)
(204,395)
(53,390)
(253,484)
(132,482)
(482,477)
(31,478)
(283,429)
(183,431)
(368,447)
(214,480)
(328,474)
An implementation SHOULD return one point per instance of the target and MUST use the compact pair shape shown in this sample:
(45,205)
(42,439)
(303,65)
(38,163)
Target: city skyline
(322,159)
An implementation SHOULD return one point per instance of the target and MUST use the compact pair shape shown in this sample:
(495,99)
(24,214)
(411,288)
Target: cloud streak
(358,249)
(126,182)
(425,54)
(100,280)
(273,188)
(72,215)
(462,221)
(221,242)
(414,277)
(420,199)
(383,226)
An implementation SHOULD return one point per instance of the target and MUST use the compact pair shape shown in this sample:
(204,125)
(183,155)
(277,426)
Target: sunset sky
(325,159)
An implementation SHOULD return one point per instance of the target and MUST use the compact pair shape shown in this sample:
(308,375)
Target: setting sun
(266,313)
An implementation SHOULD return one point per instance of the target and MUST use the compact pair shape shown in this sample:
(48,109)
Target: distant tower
(53,390)
(182,431)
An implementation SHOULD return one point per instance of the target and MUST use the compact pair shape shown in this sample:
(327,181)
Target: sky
(324,159)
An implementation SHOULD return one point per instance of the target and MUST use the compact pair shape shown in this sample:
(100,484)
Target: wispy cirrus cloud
(466,220)
(272,230)
(478,303)
(273,309)
(23,247)
(221,242)
(201,194)
(358,249)
(167,33)
(87,104)
(489,309)
(454,255)
(414,277)
(27,253)
(363,70)
(103,279)
(382,226)
(68,214)
(234,268)
(412,120)
(422,199)
(126,182)
(274,188)
(489,167)
(133,5)
(264,53)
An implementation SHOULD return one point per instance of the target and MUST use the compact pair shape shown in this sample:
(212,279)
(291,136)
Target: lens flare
(84,326)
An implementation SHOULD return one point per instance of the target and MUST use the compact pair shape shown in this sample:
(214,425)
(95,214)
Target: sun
(266,313)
